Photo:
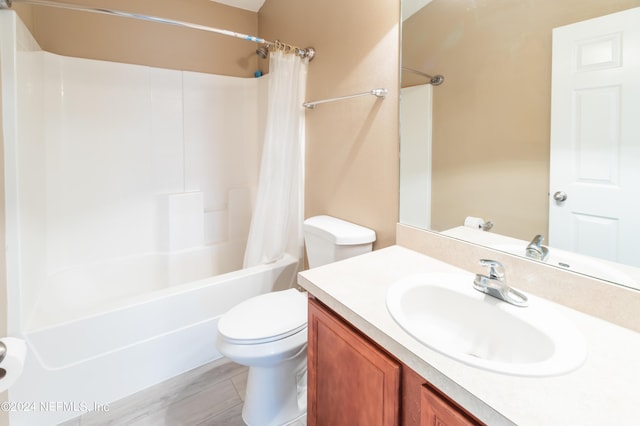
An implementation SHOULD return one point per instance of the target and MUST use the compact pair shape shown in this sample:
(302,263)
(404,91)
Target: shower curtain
(276,224)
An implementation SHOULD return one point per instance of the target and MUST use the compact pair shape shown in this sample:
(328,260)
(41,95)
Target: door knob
(560,196)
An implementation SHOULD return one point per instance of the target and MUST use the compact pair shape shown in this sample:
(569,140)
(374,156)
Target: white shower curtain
(276,224)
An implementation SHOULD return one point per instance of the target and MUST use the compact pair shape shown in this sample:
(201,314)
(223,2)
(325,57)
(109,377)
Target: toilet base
(277,395)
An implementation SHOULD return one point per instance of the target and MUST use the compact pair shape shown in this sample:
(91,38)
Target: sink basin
(445,313)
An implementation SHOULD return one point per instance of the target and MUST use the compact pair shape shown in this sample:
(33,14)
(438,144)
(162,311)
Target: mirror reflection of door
(595,137)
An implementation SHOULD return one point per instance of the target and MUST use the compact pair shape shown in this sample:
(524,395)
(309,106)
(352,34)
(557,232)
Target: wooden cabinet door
(350,381)
(437,411)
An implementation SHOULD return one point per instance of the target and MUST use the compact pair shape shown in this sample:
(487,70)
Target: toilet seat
(265,318)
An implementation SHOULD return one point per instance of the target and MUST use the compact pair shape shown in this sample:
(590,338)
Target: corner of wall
(25,12)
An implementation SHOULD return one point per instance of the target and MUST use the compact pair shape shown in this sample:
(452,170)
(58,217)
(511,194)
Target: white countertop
(604,390)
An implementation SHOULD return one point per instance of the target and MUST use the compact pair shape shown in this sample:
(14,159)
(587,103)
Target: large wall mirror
(486,146)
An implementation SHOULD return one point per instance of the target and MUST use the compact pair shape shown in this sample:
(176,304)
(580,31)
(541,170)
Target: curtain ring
(287,48)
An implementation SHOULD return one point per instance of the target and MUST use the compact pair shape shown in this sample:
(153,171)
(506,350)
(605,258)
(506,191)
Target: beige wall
(491,115)
(352,146)
(96,36)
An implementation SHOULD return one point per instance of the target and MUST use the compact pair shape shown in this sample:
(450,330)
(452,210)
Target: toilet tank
(329,239)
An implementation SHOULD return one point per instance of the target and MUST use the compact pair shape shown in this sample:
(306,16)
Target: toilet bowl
(268,333)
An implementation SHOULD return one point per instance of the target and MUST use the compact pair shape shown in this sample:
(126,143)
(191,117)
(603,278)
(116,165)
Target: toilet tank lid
(338,231)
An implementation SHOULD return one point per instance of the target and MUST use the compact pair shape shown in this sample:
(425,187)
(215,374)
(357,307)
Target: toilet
(268,333)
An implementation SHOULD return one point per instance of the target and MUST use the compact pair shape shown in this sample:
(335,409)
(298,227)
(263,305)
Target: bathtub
(161,178)
(150,326)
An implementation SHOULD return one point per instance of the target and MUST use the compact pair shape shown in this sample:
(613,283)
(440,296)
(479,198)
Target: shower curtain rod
(380,93)
(436,80)
(308,52)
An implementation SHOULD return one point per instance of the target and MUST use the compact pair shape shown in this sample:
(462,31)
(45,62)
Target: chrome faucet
(495,284)
(535,249)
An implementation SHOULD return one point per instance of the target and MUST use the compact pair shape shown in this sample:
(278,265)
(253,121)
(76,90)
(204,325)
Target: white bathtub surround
(278,214)
(118,173)
(239,211)
(128,197)
(186,225)
(103,286)
(109,161)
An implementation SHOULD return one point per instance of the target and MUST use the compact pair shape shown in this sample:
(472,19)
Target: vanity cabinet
(351,381)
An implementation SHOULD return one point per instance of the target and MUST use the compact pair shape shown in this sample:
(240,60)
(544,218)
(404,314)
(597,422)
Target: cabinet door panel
(351,381)
(436,411)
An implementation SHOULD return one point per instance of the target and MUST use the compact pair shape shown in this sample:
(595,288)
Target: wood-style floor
(211,395)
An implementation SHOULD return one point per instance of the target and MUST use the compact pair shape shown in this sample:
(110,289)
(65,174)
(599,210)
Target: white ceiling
(409,7)
(252,5)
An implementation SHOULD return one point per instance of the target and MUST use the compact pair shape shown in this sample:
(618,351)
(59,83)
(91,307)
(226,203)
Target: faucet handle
(496,270)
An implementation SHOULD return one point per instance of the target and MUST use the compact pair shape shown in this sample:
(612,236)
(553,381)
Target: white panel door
(595,138)
(415,156)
